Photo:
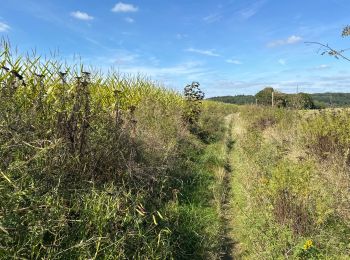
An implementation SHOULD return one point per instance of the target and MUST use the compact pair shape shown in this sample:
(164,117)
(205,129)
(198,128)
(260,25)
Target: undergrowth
(291,184)
(102,166)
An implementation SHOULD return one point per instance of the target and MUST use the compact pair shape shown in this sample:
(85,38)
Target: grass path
(228,243)
(230,248)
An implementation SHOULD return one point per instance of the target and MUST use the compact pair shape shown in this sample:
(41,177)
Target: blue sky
(229,46)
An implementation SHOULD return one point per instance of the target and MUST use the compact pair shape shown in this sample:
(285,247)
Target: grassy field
(290,189)
(118,167)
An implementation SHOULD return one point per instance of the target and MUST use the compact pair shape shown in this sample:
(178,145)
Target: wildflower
(308,244)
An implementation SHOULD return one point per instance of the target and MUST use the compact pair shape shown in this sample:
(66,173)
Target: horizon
(315,93)
(231,47)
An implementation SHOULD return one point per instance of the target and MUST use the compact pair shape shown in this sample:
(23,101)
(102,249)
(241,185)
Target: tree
(264,96)
(326,49)
(193,95)
(301,101)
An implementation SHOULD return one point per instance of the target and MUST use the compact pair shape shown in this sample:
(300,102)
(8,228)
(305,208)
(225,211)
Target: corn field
(94,165)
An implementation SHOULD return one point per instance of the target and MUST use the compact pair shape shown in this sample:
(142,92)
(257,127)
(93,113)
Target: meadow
(112,166)
(290,188)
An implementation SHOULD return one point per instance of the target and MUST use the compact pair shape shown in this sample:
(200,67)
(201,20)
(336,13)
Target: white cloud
(4,27)
(282,62)
(293,39)
(212,18)
(290,40)
(124,8)
(251,10)
(237,62)
(247,13)
(123,58)
(321,67)
(81,16)
(129,20)
(203,52)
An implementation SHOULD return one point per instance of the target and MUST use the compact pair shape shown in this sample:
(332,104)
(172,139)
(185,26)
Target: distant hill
(320,99)
(332,99)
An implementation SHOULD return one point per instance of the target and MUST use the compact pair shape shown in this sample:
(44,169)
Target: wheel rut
(228,243)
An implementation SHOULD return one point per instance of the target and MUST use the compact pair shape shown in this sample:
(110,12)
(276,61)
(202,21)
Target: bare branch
(330,51)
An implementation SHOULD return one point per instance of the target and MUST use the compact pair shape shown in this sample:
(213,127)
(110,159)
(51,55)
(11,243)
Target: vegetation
(109,166)
(301,100)
(265,97)
(238,100)
(331,99)
(290,185)
(104,167)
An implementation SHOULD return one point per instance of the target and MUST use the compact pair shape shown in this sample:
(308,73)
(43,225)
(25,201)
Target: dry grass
(102,166)
(290,185)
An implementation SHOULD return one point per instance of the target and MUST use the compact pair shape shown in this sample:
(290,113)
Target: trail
(228,243)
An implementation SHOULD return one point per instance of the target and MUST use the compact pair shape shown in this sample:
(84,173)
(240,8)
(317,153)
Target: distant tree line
(238,100)
(297,101)
(332,99)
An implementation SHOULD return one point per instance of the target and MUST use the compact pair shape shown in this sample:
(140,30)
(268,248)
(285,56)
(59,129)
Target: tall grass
(290,187)
(101,166)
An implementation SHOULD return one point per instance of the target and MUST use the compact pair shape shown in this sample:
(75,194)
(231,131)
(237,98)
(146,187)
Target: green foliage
(97,166)
(331,99)
(264,96)
(308,251)
(238,100)
(327,133)
(296,101)
(210,127)
(300,101)
(193,96)
(261,118)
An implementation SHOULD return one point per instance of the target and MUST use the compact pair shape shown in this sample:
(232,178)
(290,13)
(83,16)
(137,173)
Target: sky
(229,46)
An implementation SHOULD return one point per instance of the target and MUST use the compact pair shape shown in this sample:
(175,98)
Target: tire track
(228,243)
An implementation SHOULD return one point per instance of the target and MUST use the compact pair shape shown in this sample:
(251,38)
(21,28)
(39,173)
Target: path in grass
(228,242)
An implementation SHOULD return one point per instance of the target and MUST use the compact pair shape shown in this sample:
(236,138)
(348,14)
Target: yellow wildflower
(308,244)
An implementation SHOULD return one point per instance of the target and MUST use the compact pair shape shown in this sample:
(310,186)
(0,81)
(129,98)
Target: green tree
(301,101)
(264,96)
(193,95)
